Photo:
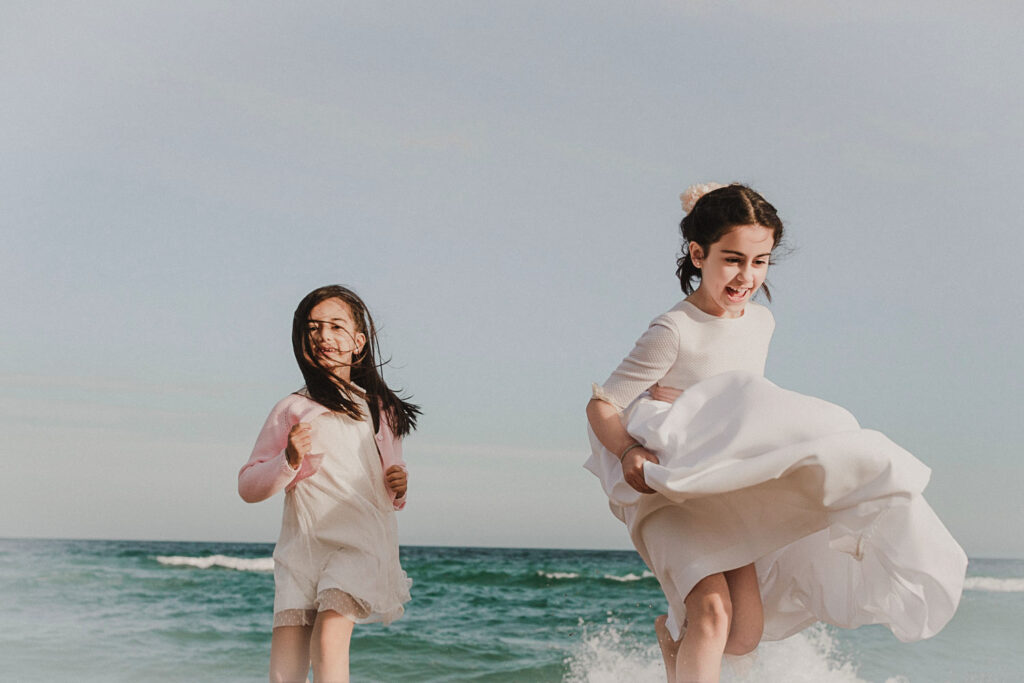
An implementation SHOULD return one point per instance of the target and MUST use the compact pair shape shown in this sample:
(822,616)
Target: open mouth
(737,295)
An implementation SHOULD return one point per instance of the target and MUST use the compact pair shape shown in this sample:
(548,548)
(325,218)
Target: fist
(300,440)
(633,468)
(397,480)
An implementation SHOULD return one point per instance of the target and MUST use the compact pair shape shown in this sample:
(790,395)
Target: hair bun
(690,196)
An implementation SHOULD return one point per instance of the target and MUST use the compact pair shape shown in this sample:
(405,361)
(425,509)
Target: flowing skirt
(831,514)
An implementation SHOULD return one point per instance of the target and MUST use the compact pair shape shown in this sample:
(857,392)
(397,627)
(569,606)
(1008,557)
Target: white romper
(338,547)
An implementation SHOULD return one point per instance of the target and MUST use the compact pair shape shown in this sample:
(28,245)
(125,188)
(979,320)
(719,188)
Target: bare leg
(747,611)
(669,647)
(329,647)
(708,615)
(289,654)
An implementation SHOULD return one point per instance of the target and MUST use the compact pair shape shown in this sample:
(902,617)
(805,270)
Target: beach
(89,610)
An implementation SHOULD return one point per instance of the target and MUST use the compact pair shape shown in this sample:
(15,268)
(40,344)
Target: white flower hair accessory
(690,196)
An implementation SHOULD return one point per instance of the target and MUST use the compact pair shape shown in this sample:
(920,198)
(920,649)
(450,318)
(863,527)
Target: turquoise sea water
(157,611)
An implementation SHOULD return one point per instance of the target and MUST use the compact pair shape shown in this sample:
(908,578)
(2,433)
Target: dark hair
(337,394)
(714,215)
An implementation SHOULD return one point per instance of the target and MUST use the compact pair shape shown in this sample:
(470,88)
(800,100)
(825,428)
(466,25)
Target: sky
(499,181)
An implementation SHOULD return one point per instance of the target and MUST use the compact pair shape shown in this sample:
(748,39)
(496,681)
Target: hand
(397,480)
(666,394)
(300,440)
(633,468)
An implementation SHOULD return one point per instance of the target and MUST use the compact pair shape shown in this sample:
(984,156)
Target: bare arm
(607,425)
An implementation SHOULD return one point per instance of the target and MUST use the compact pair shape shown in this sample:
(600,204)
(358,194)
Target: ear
(360,340)
(696,254)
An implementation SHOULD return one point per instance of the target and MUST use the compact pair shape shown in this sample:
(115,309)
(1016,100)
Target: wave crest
(244,564)
(630,577)
(558,575)
(990,584)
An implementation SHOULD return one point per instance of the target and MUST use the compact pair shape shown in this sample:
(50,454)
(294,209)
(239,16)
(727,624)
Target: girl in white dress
(334,446)
(759,510)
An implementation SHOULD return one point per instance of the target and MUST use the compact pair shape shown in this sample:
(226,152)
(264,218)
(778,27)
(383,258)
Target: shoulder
(297,407)
(681,317)
(676,317)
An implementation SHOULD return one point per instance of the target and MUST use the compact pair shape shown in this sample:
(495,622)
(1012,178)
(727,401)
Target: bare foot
(669,647)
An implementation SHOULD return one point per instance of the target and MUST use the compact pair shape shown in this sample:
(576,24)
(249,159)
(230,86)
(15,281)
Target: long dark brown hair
(715,214)
(337,394)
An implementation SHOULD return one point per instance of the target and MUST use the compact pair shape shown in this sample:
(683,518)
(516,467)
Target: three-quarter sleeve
(649,361)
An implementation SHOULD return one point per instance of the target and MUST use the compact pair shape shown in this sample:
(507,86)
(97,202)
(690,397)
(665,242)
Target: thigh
(747,610)
(332,629)
(289,654)
(330,641)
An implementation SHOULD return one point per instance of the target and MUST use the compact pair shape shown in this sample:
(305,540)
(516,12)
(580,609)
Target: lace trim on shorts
(342,603)
(329,599)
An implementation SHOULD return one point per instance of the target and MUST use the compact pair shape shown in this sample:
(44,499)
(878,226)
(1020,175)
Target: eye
(732,260)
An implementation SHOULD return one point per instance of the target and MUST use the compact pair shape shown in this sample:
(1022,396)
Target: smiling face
(334,337)
(732,270)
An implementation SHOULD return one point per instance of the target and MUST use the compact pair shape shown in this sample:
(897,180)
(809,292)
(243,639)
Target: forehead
(331,309)
(747,239)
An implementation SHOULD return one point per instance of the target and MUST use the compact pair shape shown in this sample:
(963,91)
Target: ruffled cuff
(598,392)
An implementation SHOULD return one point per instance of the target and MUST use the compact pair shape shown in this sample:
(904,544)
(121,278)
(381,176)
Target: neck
(708,306)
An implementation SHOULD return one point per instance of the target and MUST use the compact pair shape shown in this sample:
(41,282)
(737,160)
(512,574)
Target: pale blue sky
(499,181)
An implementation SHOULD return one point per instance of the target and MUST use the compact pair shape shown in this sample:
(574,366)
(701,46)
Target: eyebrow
(331,320)
(740,253)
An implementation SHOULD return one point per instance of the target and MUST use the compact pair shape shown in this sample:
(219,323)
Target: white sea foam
(245,564)
(608,655)
(993,585)
(558,575)
(630,577)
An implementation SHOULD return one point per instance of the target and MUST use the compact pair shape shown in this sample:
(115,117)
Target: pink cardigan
(268,471)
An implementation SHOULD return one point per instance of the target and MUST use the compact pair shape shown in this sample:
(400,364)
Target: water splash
(608,654)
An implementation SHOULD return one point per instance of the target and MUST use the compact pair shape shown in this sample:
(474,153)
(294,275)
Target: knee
(710,614)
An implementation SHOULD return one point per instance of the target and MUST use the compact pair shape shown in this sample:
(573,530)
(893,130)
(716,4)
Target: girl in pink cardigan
(335,448)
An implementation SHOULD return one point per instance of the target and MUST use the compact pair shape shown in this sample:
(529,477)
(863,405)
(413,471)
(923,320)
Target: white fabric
(831,514)
(339,529)
(685,345)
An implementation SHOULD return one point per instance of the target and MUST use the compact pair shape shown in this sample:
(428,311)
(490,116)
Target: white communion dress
(338,547)
(831,514)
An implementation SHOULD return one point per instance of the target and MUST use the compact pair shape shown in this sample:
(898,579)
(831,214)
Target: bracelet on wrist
(635,444)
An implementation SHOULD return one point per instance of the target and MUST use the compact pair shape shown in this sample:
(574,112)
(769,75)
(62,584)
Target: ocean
(87,610)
